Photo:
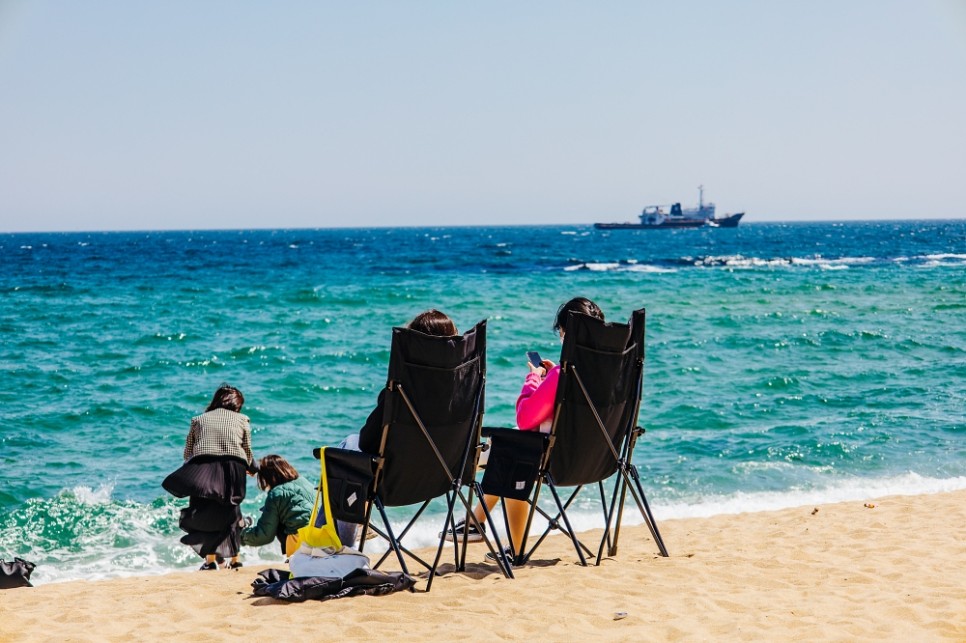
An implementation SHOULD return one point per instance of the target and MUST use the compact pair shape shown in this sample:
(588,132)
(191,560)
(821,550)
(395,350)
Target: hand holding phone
(538,364)
(535,359)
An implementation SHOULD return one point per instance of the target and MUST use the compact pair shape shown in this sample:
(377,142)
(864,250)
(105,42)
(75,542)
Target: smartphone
(535,358)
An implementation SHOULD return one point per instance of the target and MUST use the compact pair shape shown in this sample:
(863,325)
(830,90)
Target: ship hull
(694,223)
(730,221)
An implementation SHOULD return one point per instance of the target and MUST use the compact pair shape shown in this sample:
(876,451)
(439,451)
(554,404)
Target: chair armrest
(514,462)
(345,455)
(489,431)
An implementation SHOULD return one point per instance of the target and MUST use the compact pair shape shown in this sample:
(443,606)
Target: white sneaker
(473,535)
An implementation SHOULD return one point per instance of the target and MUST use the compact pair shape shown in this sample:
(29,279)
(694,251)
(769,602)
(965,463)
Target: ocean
(787,363)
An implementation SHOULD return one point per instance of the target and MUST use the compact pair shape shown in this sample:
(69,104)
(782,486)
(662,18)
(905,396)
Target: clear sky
(231,114)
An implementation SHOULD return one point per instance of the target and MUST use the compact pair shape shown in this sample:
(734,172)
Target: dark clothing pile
(277,584)
(15,573)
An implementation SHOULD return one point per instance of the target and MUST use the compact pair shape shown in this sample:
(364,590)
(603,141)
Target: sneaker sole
(472,538)
(491,557)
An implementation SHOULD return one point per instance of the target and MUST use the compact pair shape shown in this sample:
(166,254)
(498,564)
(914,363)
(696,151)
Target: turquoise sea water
(787,364)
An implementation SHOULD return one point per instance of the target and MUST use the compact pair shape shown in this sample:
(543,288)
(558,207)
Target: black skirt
(216,487)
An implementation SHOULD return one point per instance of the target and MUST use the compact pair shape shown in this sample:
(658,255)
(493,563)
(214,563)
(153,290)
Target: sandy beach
(879,569)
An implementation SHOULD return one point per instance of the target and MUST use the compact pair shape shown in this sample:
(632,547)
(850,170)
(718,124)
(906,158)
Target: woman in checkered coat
(217,454)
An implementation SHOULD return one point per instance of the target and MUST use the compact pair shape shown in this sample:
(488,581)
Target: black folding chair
(593,434)
(430,444)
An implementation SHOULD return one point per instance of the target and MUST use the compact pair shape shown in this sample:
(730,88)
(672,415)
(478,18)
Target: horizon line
(458,226)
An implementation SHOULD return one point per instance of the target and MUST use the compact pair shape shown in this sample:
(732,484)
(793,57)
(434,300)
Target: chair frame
(455,493)
(628,477)
(473,446)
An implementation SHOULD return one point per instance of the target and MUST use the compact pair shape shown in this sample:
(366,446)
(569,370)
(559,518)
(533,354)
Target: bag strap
(321,533)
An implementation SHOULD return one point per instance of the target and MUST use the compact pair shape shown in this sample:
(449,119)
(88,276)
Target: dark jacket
(370,435)
(287,509)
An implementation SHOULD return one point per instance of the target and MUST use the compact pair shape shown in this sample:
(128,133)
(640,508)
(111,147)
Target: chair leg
(397,539)
(608,516)
(450,505)
(637,491)
(622,486)
(553,522)
(608,512)
(392,539)
(522,556)
(461,543)
(498,552)
(506,525)
(405,550)
(458,550)
(627,452)
(365,528)
(570,530)
(448,526)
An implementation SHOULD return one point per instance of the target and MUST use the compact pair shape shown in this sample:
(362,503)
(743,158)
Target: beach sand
(895,570)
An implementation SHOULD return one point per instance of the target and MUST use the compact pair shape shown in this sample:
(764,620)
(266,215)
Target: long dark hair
(433,322)
(274,470)
(577,305)
(227,397)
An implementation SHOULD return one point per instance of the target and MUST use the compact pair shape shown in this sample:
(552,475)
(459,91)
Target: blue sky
(189,115)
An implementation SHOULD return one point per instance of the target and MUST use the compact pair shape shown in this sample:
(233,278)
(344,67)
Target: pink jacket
(535,404)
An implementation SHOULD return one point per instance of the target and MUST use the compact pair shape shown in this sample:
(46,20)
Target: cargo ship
(674,216)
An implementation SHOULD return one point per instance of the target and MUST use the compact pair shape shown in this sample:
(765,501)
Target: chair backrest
(601,368)
(435,384)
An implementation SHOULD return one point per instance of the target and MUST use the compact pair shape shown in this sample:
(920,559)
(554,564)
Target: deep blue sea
(787,364)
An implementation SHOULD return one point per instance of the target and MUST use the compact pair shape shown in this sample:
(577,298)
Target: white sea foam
(944,260)
(735,262)
(740,261)
(122,541)
(630,266)
(99,496)
(846,490)
(822,262)
(602,267)
(635,267)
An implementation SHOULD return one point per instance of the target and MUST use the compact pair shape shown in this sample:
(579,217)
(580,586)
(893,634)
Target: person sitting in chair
(430,322)
(534,413)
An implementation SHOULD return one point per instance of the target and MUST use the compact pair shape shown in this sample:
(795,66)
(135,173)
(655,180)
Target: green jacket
(287,509)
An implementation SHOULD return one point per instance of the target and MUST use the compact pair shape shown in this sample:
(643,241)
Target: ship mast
(700,197)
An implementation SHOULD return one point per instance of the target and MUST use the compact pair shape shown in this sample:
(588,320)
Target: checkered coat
(220,432)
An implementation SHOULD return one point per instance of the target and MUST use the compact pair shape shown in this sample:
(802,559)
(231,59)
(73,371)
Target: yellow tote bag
(321,531)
